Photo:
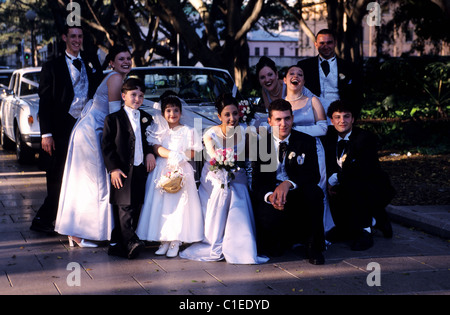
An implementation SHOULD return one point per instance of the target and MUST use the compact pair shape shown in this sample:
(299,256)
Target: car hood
(32,100)
(207,114)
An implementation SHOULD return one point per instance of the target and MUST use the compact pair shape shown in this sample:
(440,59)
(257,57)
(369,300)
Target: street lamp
(31,16)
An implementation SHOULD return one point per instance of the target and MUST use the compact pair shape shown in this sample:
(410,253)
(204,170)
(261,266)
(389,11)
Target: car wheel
(24,153)
(7,144)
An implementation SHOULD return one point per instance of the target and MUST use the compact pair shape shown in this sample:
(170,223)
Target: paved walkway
(412,262)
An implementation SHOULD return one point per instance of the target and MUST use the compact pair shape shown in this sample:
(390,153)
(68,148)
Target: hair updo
(225,100)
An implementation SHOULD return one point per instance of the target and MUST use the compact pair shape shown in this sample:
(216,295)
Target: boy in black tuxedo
(128,158)
(359,189)
(288,203)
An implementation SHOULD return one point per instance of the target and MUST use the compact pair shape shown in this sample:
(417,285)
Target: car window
(29,84)
(199,86)
(4,78)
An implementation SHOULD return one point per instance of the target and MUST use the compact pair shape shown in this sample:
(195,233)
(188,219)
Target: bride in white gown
(84,211)
(229,227)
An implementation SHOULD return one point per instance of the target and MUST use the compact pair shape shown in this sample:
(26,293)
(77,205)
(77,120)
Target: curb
(432,219)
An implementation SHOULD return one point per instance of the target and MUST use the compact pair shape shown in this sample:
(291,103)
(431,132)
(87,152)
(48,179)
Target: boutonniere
(343,157)
(301,159)
(341,76)
(291,155)
(144,120)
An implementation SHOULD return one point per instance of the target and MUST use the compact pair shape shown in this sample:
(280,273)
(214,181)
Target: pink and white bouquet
(222,166)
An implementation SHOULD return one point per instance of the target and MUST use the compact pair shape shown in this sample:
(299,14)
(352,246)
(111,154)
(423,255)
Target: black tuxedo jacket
(118,142)
(349,79)
(304,173)
(118,147)
(361,168)
(56,92)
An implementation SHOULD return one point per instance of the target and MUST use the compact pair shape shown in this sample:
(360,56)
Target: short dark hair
(170,101)
(68,27)
(114,51)
(281,105)
(340,107)
(326,31)
(225,99)
(131,84)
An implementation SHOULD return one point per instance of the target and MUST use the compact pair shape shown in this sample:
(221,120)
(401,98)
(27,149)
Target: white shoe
(162,250)
(173,250)
(82,243)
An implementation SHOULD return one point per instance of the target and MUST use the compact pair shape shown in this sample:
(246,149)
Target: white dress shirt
(281,171)
(134,116)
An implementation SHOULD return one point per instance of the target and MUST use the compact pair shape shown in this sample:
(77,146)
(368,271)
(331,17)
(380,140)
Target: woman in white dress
(84,211)
(171,218)
(309,118)
(229,228)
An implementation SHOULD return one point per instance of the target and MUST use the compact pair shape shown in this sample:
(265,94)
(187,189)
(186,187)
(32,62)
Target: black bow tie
(341,147)
(76,62)
(325,67)
(281,151)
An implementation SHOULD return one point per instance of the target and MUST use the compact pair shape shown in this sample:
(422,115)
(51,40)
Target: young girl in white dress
(229,223)
(171,218)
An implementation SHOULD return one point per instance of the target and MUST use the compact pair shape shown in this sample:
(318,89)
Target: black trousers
(126,215)
(54,167)
(300,221)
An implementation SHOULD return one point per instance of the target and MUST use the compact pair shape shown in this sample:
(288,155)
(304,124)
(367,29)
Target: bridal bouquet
(246,111)
(222,166)
(171,180)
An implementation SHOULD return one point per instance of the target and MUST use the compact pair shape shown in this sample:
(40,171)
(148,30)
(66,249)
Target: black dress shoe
(362,242)
(39,226)
(117,250)
(385,228)
(135,248)
(316,258)
(336,235)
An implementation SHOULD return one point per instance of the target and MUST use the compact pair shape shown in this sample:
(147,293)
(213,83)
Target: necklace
(277,92)
(295,99)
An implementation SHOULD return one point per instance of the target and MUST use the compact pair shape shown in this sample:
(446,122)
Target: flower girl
(171,213)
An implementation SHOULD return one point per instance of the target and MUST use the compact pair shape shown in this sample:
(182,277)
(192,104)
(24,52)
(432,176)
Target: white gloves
(176,157)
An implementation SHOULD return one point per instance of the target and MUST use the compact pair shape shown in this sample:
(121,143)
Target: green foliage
(407,88)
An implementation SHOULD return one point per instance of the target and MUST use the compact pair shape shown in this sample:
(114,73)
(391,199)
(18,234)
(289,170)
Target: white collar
(346,137)
(277,140)
(331,60)
(72,57)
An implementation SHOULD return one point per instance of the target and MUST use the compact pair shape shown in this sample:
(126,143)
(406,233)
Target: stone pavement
(31,263)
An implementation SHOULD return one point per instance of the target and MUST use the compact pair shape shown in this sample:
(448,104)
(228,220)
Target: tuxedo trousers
(54,167)
(127,208)
(353,206)
(301,221)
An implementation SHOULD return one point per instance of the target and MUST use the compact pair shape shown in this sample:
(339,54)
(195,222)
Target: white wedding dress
(229,223)
(84,210)
(171,216)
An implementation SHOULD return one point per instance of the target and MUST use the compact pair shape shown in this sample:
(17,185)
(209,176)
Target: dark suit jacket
(361,170)
(56,92)
(349,84)
(118,147)
(303,174)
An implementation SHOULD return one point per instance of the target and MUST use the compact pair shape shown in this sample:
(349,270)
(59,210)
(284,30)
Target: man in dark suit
(359,189)
(66,83)
(128,158)
(288,203)
(330,77)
